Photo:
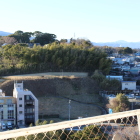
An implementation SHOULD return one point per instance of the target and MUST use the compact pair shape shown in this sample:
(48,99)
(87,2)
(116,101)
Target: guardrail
(121,125)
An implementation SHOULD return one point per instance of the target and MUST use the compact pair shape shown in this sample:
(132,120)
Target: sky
(96,20)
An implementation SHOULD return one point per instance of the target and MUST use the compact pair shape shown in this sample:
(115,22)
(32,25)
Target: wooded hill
(19,59)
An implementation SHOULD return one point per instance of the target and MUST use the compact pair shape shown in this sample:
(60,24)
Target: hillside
(54,94)
(120,43)
(2,33)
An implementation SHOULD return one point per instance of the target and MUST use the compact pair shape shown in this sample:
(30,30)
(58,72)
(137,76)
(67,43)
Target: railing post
(138,120)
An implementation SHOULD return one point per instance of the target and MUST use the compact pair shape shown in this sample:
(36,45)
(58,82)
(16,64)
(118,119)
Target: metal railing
(116,126)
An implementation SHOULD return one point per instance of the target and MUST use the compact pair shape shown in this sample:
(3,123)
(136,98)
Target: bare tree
(8,40)
(128,133)
(119,104)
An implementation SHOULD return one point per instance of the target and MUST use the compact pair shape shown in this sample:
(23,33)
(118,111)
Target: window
(11,105)
(1,100)
(20,121)
(29,110)
(1,114)
(20,98)
(20,105)
(27,97)
(9,101)
(10,114)
(29,103)
(20,112)
(29,116)
(1,105)
(126,83)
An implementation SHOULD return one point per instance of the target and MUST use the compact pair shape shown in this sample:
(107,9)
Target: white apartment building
(27,105)
(129,85)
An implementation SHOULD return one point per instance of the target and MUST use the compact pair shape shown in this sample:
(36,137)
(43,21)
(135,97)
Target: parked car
(111,96)
(137,103)
(129,96)
(16,127)
(3,126)
(137,97)
(9,125)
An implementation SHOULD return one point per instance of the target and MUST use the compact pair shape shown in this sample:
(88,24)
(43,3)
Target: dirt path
(69,74)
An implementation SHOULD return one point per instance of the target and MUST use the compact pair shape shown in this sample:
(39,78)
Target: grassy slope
(49,91)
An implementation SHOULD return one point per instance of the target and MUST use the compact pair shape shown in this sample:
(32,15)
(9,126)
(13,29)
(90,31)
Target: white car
(129,96)
(111,96)
(3,126)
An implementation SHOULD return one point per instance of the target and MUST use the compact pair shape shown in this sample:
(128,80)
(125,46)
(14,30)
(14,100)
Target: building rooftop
(128,81)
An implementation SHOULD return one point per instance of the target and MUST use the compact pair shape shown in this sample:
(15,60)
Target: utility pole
(74,36)
(0,118)
(69,108)
(132,105)
(62,73)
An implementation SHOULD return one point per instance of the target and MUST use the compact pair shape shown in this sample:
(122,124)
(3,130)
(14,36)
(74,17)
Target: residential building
(129,85)
(125,68)
(120,78)
(119,61)
(7,109)
(27,105)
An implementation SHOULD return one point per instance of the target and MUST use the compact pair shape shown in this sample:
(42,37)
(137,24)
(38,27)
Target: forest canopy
(19,58)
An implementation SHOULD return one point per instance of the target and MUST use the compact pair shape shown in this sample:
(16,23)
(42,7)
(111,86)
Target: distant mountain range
(120,43)
(2,33)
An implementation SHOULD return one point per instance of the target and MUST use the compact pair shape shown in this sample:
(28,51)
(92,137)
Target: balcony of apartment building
(28,101)
(29,118)
(29,115)
(10,106)
(11,113)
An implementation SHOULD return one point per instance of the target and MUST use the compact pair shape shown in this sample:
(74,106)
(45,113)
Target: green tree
(127,50)
(98,76)
(37,33)
(37,122)
(89,133)
(44,38)
(22,37)
(104,83)
(110,84)
(44,122)
(119,104)
(54,135)
(19,59)
(31,125)
(63,41)
(26,37)
(51,121)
